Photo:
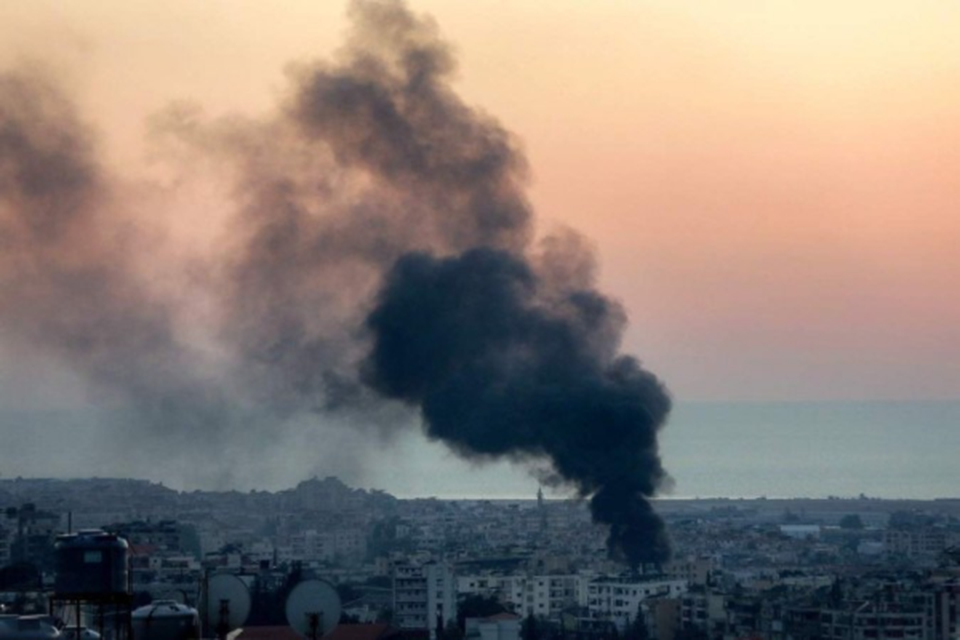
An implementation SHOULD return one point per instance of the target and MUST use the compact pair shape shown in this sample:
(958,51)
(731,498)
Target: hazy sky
(772,187)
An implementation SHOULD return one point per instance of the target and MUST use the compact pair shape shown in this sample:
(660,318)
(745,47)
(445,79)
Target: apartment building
(424,596)
(545,596)
(619,600)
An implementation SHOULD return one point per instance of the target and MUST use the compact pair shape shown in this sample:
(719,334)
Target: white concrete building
(619,600)
(541,595)
(548,596)
(801,531)
(327,545)
(424,596)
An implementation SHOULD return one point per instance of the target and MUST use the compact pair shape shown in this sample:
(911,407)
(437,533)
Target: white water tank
(14,627)
(166,620)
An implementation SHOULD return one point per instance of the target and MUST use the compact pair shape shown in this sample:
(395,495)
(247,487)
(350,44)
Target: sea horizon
(890,449)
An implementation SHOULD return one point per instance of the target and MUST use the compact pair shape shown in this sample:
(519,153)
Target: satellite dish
(313,608)
(227,603)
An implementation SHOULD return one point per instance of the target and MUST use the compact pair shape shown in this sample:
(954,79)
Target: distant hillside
(96,501)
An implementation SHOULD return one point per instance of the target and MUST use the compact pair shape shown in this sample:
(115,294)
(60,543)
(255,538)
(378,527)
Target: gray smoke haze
(68,280)
(378,261)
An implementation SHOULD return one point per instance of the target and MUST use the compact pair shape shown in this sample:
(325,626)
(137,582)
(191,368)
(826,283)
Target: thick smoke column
(500,369)
(379,249)
(387,160)
(500,359)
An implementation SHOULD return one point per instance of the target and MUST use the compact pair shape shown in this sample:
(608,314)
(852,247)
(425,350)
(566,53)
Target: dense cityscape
(244,243)
(741,568)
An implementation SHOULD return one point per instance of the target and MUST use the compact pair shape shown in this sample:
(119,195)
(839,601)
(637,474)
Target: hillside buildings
(778,570)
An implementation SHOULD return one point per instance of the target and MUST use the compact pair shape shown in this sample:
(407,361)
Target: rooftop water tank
(166,620)
(91,563)
(27,628)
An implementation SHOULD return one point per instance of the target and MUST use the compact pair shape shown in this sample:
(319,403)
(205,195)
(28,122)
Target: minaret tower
(542,510)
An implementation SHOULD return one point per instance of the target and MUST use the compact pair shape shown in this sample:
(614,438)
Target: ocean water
(880,449)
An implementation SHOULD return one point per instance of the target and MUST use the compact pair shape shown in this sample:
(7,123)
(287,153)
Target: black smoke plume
(378,249)
(500,367)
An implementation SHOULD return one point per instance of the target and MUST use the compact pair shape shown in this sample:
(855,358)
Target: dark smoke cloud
(392,161)
(498,371)
(379,250)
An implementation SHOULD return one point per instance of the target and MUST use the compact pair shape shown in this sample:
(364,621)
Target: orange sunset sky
(772,187)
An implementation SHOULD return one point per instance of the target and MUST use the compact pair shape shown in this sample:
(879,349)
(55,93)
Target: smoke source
(379,249)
